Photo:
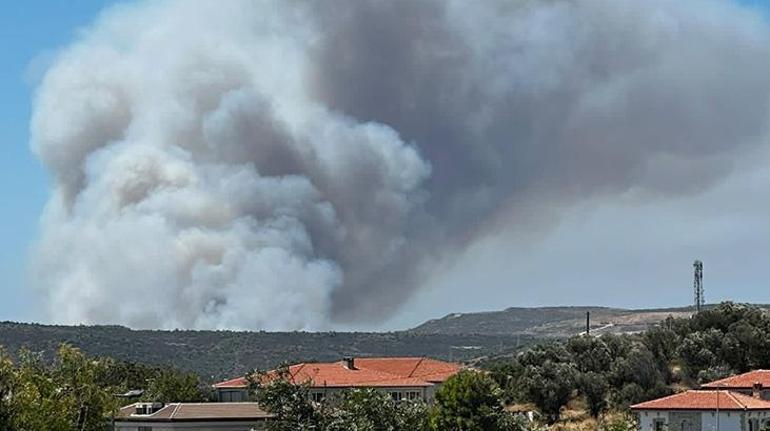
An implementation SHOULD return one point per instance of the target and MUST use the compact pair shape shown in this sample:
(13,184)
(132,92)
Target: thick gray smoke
(290,165)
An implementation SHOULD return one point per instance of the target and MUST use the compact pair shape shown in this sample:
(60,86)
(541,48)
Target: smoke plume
(290,165)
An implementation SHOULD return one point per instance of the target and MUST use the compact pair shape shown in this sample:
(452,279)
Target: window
(397,396)
(231,396)
(658,425)
(317,396)
(145,429)
(413,395)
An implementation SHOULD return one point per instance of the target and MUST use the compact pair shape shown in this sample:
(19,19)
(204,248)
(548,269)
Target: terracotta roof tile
(742,381)
(705,400)
(368,372)
(425,368)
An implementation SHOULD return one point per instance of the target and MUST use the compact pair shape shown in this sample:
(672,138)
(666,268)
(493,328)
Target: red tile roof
(705,400)
(426,369)
(191,412)
(368,372)
(742,381)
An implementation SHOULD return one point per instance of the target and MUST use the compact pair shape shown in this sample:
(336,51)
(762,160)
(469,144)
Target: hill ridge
(553,321)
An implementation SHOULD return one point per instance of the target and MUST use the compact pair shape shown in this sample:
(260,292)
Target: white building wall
(726,421)
(760,420)
(647,419)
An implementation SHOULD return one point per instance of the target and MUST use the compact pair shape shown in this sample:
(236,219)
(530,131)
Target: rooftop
(705,400)
(366,372)
(742,381)
(191,412)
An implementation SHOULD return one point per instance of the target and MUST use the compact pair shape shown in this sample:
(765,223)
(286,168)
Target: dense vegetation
(615,371)
(469,401)
(599,374)
(75,392)
(219,355)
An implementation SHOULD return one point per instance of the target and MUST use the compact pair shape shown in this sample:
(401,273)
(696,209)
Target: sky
(627,250)
(30,32)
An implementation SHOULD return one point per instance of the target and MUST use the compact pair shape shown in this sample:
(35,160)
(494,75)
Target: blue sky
(30,31)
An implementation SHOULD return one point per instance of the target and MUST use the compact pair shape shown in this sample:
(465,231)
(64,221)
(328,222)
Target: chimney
(350,362)
(148,408)
(756,391)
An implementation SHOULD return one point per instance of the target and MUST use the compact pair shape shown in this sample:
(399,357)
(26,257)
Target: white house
(704,410)
(191,417)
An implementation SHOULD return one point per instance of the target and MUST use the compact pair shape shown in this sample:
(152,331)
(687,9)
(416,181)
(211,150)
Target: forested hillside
(216,355)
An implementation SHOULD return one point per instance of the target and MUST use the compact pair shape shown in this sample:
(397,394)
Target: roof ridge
(294,374)
(738,395)
(416,366)
(737,401)
(178,405)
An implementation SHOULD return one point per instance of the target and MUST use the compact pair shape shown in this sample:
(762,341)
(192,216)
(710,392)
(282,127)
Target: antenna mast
(700,300)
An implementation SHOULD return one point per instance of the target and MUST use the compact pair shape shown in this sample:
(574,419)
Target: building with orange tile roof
(701,410)
(403,378)
(755,382)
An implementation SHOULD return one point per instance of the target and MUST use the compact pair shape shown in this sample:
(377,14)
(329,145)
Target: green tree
(549,386)
(8,385)
(63,397)
(373,410)
(468,401)
(89,403)
(554,352)
(507,374)
(170,385)
(594,387)
(289,402)
(662,342)
(590,354)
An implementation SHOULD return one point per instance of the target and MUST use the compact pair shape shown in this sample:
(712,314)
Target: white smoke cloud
(285,165)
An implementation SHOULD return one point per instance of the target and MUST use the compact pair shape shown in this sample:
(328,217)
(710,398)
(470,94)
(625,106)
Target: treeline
(220,355)
(76,392)
(615,371)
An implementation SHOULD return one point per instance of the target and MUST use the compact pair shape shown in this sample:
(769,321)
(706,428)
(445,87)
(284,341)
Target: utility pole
(588,322)
(697,285)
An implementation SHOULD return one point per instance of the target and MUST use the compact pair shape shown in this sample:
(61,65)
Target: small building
(402,378)
(704,410)
(191,417)
(755,383)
